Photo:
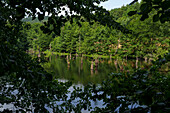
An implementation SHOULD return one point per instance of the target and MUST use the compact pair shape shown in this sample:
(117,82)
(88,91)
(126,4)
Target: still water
(82,70)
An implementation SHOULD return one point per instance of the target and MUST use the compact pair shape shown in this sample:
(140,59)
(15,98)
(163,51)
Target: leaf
(145,16)
(134,1)
(42,28)
(157,1)
(163,18)
(165,5)
(33,17)
(156,18)
(143,7)
(40,17)
(132,13)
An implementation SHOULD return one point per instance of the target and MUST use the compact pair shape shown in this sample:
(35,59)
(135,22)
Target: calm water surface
(79,69)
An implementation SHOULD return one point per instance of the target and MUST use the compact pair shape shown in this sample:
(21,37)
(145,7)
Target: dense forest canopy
(106,32)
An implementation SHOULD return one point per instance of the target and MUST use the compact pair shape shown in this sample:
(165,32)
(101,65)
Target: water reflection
(85,69)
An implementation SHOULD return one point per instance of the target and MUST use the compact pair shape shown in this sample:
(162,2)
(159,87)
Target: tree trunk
(91,72)
(117,46)
(96,64)
(70,56)
(146,59)
(79,41)
(76,55)
(81,63)
(110,56)
(136,62)
(91,65)
(67,58)
(68,63)
(115,62)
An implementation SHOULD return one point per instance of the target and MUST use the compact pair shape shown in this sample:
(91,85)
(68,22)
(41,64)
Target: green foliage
(87,39)
(38,89)
(36,38)
(48,53)
(162,8)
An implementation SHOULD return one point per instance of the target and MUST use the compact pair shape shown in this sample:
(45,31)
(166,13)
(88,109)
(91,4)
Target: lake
(82,70)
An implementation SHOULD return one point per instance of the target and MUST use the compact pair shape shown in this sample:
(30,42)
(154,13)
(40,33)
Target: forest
(139,30)
(148,40)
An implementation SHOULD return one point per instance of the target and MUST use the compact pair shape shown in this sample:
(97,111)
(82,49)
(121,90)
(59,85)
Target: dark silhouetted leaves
(134,1)
(132,13)
(40,16)
(156,18)
(160,6)
(144,17)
